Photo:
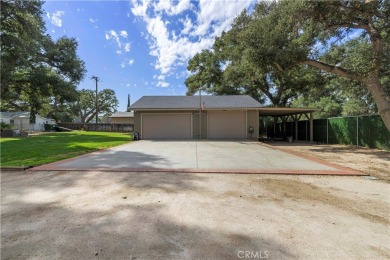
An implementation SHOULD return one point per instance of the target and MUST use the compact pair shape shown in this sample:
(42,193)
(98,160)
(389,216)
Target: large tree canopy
(366,58)
(86,104)
(35,69)
(349,39)
(247,70)
(283,49)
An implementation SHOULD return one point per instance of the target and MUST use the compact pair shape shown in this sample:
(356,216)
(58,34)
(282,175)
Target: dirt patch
(299,191)
(371,161)
(84,215)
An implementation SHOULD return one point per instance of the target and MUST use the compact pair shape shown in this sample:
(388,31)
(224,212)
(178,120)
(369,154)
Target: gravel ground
(371,161)
(112,215)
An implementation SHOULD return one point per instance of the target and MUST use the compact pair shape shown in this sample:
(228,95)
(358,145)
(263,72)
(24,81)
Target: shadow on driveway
(82,215)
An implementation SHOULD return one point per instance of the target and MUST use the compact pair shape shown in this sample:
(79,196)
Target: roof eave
(195,109)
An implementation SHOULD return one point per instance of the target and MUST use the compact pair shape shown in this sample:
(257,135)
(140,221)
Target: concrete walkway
(197,156)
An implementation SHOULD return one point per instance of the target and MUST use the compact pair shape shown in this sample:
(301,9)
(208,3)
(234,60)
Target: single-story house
(122,118)
(177,117)
(21,121)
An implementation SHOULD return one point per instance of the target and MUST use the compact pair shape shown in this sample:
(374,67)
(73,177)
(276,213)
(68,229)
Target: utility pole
(128,103)
(96,102)
(200,113)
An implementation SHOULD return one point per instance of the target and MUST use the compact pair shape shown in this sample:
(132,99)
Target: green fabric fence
(368,131)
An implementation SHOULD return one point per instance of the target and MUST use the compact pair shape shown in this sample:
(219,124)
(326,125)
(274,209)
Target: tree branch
(278,66)
(332,69)
(349,25)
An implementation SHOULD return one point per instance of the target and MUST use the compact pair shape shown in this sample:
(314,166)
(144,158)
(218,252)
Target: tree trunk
(382,99)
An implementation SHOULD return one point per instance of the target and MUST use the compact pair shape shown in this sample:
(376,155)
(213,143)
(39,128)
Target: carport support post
(275,121)
(296,119)
(284,119)
(327,130)
(311,127)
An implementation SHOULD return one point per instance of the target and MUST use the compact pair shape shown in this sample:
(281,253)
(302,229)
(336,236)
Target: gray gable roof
(192,102)
(14,114)
(123,114)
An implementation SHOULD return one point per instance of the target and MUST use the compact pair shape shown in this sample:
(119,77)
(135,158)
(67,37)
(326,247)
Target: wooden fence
(107,127)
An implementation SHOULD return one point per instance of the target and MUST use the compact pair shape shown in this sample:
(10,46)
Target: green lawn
(51,147)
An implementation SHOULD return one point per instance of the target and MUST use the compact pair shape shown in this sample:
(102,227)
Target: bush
(5,126)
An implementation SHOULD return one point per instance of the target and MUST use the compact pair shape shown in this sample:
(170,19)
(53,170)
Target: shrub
(4,125)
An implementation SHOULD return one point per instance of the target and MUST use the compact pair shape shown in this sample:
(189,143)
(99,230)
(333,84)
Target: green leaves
(259,57)
(86,104)
(34,67)
(287,49)
(206,70)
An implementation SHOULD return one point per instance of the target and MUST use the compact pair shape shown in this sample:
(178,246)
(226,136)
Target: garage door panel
(166,126)
(227,124)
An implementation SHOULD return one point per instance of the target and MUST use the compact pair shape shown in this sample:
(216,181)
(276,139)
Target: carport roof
(192,102)
(284,111)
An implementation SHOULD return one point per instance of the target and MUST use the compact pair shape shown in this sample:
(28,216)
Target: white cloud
(118,39)
(172,7)
(216,16)
(131,62)
(162,84)
(187,25)
(139,7)
(55,18)
(123,33)
(171,45)
(127,47)
(92,20)
(113,36)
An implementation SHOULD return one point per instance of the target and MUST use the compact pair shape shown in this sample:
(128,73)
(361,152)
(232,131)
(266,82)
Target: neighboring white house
(21,121)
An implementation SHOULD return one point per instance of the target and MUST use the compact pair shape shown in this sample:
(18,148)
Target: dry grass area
(371,161)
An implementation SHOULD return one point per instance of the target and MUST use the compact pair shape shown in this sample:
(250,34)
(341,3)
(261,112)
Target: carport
(284,114)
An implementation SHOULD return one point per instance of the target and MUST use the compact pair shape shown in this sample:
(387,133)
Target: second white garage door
(166,126)
(227,124)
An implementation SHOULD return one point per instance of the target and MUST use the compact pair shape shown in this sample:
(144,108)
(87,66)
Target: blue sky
(140,47)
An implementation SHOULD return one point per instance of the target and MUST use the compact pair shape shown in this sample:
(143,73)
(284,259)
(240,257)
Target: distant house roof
(192,102)
(14,114)
(122,114)
(20,115)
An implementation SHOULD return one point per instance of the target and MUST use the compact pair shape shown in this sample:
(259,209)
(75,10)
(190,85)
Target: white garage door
(166,126)
(226,124)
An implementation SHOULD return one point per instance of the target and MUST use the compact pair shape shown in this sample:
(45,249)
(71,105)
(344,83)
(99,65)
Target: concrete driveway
(197,156)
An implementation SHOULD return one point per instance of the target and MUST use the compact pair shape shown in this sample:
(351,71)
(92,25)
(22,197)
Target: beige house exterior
(223,117)
(122,118)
